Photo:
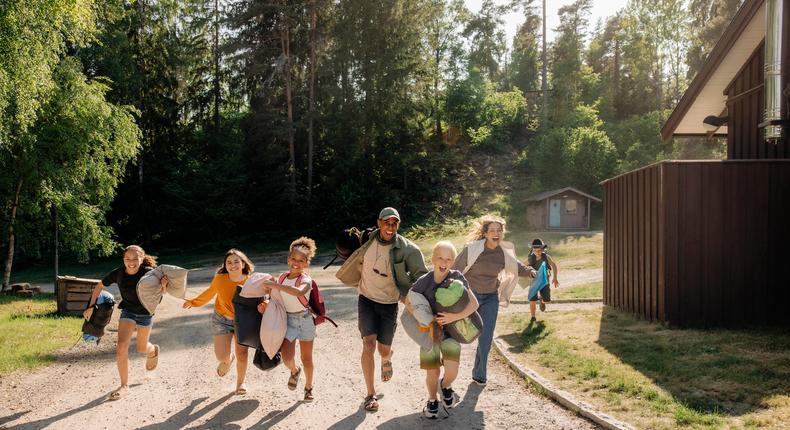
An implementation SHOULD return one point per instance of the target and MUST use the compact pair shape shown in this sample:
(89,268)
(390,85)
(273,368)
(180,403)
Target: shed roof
(705,95)
(540,196)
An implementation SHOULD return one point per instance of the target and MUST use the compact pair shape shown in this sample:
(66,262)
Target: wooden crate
(74,294)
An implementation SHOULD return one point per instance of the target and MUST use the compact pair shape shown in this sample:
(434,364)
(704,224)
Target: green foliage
(33,35)
(491,118)
(79,149)
(576,153)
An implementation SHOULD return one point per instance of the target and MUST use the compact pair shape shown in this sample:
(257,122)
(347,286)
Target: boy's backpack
(316,303)
(348,241)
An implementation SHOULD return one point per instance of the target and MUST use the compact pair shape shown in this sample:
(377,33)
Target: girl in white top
(300,321)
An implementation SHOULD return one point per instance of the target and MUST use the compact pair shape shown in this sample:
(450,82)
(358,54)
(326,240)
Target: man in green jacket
(383,269)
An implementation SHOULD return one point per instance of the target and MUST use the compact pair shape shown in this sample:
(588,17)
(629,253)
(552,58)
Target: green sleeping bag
(448,297)
(454,299)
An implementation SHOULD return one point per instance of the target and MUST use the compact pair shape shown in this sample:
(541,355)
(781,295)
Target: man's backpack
(348,241)
(316,303)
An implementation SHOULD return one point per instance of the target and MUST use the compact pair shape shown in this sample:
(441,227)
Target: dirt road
(185,392)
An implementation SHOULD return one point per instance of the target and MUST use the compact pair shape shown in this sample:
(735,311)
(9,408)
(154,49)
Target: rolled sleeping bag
(421,336)
(150,293)
(421,307)
(93,329)
(246,319)
(455,298)
(466,330)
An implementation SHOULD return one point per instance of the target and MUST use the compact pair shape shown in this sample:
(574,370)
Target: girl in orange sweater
(235,270)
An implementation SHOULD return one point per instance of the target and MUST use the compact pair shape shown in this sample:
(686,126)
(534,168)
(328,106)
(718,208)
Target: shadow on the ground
(462,416)
(274,417)
(727,372)
(524,340)
(189,415)
(46,422)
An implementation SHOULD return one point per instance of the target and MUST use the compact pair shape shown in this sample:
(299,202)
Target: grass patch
(659,378)
(30,332)
(581,291)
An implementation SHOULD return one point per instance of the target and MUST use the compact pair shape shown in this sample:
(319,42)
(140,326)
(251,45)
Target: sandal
(241,389)
(371,403)
(152,360)
(294,379)
(308,394)
(119,393)
(386,368)
(224,368)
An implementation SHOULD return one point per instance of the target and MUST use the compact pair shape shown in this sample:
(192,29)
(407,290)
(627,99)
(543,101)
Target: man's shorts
(376,318)
(448,349)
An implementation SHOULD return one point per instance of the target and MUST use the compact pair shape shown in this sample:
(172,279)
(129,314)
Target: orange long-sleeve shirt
(222,287)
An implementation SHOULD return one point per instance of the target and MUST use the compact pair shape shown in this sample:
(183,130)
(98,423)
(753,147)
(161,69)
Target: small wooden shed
(562,209)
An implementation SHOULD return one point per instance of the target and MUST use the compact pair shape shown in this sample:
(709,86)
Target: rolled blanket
(149,291)
(247,320)
(253,287)
(273,325)
(93,329)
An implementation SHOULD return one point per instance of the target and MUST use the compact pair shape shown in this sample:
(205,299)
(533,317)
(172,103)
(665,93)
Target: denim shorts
(140,320)
(300,326)
(221,325)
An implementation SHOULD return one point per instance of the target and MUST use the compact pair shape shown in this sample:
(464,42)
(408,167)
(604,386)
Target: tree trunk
(311,114)
(543,74)
(436,98)
(11,237)
(217,94)
(286,50)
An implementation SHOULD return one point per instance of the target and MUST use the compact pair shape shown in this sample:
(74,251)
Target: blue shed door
(554,213)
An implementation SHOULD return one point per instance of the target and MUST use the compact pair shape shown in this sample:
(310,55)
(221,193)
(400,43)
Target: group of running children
(236,269)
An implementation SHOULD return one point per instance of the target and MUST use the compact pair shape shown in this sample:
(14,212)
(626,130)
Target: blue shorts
(221,325)
(300,326)
(140,320)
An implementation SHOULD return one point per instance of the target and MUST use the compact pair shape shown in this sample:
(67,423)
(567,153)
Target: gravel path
(185,392)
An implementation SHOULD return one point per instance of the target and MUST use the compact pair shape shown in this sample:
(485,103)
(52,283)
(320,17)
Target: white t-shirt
(292,303)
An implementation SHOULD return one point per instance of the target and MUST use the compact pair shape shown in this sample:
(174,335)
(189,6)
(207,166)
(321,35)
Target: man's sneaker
(431,409)
(450,397)
(479,382)
(542,306)
(533,319)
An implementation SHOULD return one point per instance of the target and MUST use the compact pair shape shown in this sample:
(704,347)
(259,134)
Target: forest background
(178,124)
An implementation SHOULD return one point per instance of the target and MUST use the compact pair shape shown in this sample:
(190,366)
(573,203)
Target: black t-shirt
(533,261)
(128,288)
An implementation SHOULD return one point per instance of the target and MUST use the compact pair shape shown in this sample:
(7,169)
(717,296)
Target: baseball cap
(388,213)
